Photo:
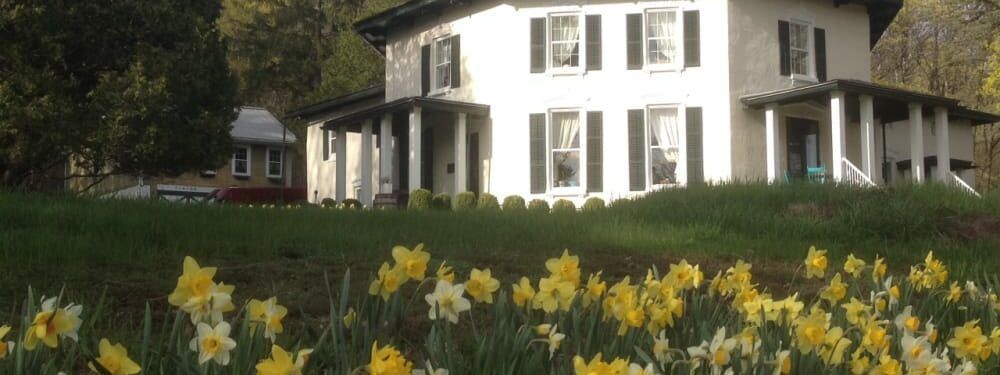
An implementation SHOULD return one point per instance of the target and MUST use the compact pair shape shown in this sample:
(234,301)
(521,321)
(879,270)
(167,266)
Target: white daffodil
(213,343)
(917,352)
(782,363)
(210,307)
(430,370)
(907,321)
(637,369)
(661,347)
(717,353)
(447,301)
(554,340)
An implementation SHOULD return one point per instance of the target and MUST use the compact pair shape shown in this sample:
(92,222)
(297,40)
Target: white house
(611,98)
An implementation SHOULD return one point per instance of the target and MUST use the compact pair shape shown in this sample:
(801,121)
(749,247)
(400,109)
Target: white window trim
(281,163)
(249,158)
(680,174)
(581,44)
(678,35)
(331,140)
(810,49)
(553,190)
(435,91)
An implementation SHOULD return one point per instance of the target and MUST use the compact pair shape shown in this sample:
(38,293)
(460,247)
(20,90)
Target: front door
(803,146)
(473,164)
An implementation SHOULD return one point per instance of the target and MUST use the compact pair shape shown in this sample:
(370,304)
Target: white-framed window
(331,138)
(801,49)
(565,36)
(275,162)
(565,151)
(664,144)
(241,160)
(663,38)
(441,74)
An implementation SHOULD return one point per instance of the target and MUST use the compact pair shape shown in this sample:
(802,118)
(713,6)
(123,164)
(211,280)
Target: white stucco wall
(961,137)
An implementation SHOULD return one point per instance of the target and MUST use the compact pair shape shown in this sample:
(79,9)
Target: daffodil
(350,317)
(447,301)
(53,323)
(413,262)
(595,289)
(113,360)
(718,352)
(684,275)
(879,269)
(281,363)
(917,352)
(388,282)
(836,291)
(834,345)
(213,343)
(6,347)
(444,272)
(388,361)
(782,363)
(598,367)
(194,282)
(906,320)
(523,292)
(430,370)
(481,285)
(810,331)
(887,366)
(553,294)
(267,313)
(637,369)
(856,311)
(565,268)
(815,263)
(210,307)
(554,339)
(954,293)
(860,362)
(875,337)
(854,266)
(661,347)
(968,341)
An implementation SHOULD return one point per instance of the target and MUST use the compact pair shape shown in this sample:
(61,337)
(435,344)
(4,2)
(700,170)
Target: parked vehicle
(257,195)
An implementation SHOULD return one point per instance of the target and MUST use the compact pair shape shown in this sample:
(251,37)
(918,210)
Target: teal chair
(816,174)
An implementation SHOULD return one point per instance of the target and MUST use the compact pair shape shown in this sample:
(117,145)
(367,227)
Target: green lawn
(133,249)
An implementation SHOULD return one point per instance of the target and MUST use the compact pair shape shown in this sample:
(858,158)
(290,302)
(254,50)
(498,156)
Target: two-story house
(571,99)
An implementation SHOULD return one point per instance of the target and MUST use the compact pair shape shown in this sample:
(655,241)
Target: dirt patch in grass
(810,210)
(972,226)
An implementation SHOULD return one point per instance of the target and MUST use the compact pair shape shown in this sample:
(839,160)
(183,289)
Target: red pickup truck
(258,195)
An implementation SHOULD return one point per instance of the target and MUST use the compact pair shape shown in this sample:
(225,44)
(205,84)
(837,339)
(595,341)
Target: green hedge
(465,201)
(328,203)
(488,202)
(420,200)
(594,204)
(441,202)
(514,203)
(563,206)
(538,205)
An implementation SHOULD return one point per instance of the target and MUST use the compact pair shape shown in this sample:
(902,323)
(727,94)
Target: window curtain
(568,131)
(567,29)
(668,46)
(665,131)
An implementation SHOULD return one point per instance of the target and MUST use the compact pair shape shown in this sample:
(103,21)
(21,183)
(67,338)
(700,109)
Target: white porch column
(917,142)
(461,153)
(415,143)
(838,122)
(943,145)
(867,110)
(385,159)
(771,121)
(341,155)
(366,163)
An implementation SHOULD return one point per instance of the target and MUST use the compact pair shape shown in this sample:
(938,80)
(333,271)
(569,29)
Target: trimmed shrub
(465,201)
(538,205)
(441,202)
(594,204)
(513,203)
(420,200)
(352,204)
(563,206)
(328,203)
(488,202)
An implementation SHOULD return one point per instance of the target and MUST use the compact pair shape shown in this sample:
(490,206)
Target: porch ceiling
(891,104)
(405,104)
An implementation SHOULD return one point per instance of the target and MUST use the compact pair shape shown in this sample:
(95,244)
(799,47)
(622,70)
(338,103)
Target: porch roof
(432,104)
(891,104)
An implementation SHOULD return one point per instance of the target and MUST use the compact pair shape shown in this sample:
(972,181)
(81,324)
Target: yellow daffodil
(994,340)
(875,338)
(6,347)
(413,262)
(481,285)
(887,366)
(281,363)
(595,289)
(856,311)
(954,293)
(269,314)
(565,268)
(854,266)
(553,295)
(836,291)
(810,331)
(350,317)
(815,263)
(194,282)
(685,276)
(388,282)
(783,363)
(791,307)
(447,301)
(113,360)
(860,363)
(444,272)
(598,367)
(834,345)
(968,341)
(52,323)
(906,320)
(879,269)
(523,292)
(213,343)
(388,361)
(210,307)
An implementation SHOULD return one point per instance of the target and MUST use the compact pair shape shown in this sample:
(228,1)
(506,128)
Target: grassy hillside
(134,248)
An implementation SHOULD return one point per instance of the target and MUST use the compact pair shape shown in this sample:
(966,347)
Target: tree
(124,87)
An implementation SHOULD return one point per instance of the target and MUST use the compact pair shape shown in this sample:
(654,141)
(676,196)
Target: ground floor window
(664,144)
(275,159)
(241,161)
(564,139)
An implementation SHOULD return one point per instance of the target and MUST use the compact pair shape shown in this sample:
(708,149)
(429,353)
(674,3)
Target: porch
(405,135)
(860,133)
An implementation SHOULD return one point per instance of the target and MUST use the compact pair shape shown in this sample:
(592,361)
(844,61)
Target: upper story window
(800,48)
(663,38)
(664,144)
(564,41)
(565,147)
(442,64)
(241,161)
(275,159)
(332,140)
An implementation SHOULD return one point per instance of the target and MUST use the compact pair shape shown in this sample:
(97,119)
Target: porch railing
(961,185)
(854,176)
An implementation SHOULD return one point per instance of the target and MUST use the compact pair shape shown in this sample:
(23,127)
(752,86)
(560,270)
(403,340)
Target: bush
(352,204)
(513,203)
(563,206)
(465,201)
(538,205)
(441,202)
(594,204)
(328,203)
(420,200)
(488,202)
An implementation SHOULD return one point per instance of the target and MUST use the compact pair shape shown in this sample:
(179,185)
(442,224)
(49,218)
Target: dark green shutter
(537,149)
(425,70)
(538,45)
(594,51)
(692,38)
(427,159)
(456,61)
(633,43)
(637,150)
(595,152)
(326,145)
(695,146)
(820,36)
(784,48)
